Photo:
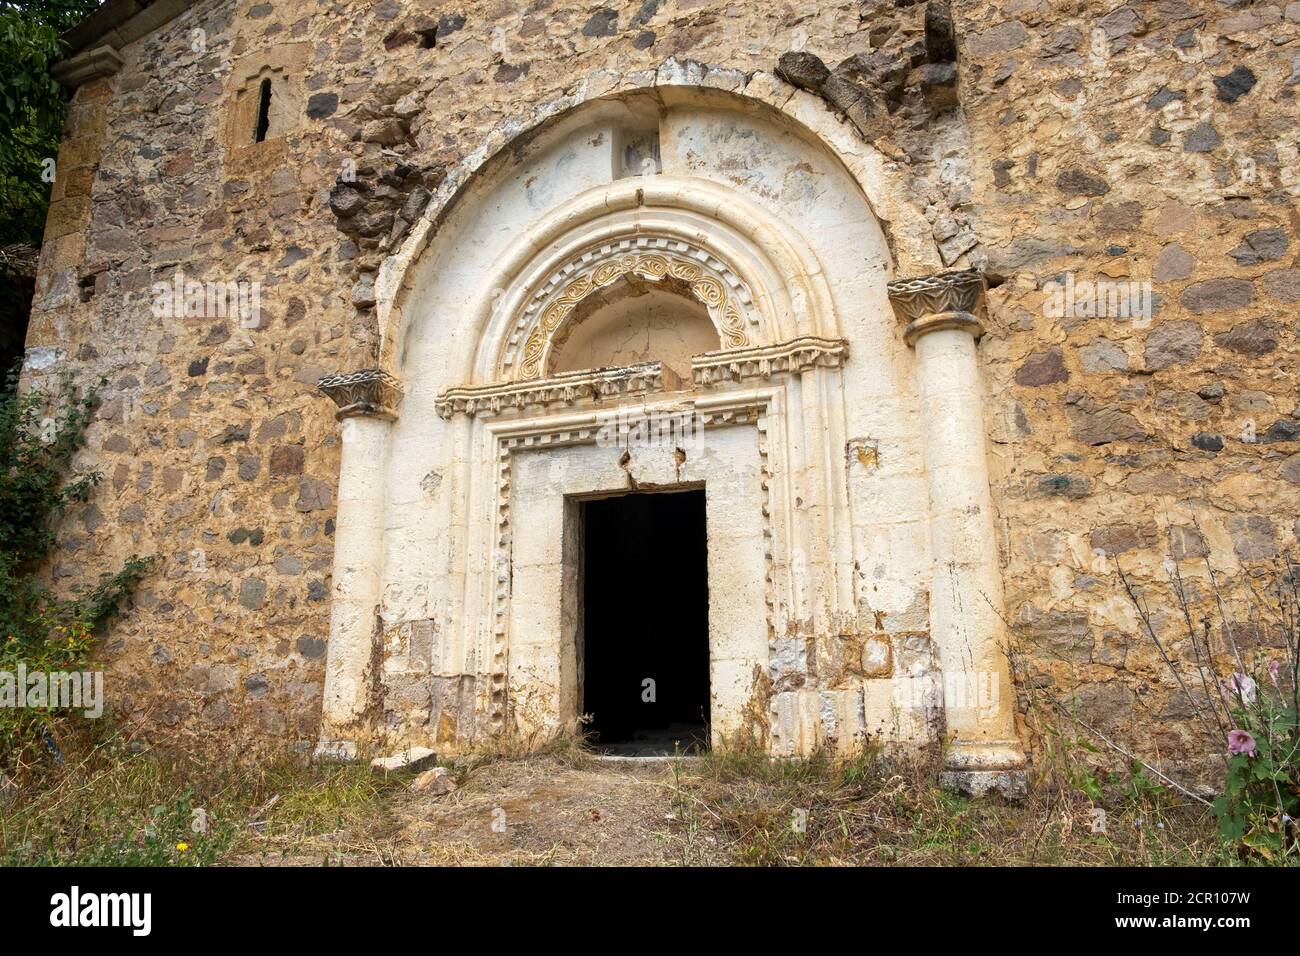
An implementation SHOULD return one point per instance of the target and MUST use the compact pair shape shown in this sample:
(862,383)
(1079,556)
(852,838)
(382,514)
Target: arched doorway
(546,324)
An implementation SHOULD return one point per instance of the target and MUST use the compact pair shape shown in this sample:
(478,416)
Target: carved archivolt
(710,281)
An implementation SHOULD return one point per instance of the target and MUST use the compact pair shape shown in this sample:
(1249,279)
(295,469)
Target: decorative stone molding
(945,300)
(750,409)
(86,66)
(943,320)
(596,385)
(764,361)
(879,178)
(565,389)
(369,391)
(710,281)
(93,43)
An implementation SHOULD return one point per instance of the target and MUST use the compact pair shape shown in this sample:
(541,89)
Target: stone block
(412,758)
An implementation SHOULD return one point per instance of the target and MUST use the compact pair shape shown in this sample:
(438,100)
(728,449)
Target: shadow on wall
(17,287)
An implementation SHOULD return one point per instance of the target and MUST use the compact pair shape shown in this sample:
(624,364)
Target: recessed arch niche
(634,320)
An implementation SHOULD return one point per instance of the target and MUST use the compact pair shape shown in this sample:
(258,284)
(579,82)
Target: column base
(343,751)
(976,754)
(977,768)
(1009,784)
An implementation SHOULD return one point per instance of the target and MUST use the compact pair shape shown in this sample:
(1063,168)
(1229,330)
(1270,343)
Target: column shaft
(966,608)
(967,617)
(358,560)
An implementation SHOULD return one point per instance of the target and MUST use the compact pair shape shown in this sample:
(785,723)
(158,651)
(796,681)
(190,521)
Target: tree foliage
(32,107)
(39,436)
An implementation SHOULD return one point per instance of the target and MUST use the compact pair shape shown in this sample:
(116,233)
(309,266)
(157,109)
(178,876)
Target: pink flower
(1240,742)
(1242,686)
(1274,666)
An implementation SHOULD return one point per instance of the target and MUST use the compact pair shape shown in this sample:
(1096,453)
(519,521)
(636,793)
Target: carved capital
(370,391)
(941,301)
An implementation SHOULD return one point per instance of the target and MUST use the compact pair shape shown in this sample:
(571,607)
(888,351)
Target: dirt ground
(567,806)
(524,812)
(576,809)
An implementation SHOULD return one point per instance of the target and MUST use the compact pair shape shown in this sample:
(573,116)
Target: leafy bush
(39,435)
(1232,652)
(1241,683)
(1260,804)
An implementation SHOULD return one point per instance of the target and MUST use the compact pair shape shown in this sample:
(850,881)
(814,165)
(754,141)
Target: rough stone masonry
(1123,175)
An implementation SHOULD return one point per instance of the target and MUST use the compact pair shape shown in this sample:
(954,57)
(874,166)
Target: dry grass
(562,806)
(116,802)
(568,808)
(872,811)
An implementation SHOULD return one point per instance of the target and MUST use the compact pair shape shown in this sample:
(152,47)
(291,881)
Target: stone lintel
(371,391)
(567,388)
(595,385)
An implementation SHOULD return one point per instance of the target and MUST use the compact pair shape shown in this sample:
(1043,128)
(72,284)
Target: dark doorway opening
(645,623)
(16,292)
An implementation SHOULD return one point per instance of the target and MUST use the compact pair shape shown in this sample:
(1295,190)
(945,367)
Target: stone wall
(1071,141)
(1154,143)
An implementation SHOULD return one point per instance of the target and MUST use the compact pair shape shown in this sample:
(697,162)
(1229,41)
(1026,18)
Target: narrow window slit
(263,111)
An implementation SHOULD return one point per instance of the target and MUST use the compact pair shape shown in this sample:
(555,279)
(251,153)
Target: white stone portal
(720,321)
(548,482)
